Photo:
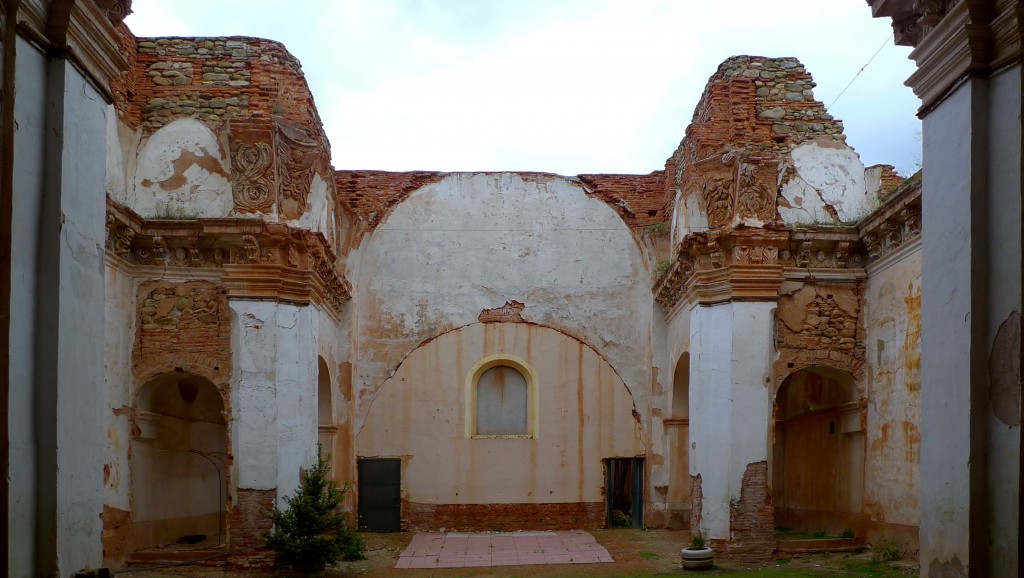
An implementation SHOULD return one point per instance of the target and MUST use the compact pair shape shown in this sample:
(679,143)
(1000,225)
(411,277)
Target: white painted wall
(730,401)
(29,168)
(1004,232)
(893,389)
(273,394)
(474,241)
(119,339)
(828,172)
(189,190)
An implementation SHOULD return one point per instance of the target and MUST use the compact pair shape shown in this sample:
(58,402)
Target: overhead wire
(852,80)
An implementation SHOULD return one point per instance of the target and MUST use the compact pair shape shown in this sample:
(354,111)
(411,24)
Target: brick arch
(796,361)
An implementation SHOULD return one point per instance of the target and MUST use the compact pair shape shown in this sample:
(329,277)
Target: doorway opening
(380,494)
(818,453)
(624,492)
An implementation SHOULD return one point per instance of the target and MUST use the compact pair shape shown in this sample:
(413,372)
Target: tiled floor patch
(464,550)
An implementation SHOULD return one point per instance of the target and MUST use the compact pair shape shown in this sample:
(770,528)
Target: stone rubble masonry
(503,517)
(183,327)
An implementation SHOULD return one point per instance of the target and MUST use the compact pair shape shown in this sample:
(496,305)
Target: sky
(561,86)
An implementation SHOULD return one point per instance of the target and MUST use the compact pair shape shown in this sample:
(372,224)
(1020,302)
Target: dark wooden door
(380,494)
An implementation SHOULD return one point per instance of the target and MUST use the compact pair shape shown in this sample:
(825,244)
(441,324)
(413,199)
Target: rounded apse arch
(584,412)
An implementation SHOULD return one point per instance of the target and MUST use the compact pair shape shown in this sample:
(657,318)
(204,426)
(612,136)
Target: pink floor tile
(436,550)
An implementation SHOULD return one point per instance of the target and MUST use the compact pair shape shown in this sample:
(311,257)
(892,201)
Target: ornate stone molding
(953,39)
(252,258)
(299,157)
(895,223)
(747,264)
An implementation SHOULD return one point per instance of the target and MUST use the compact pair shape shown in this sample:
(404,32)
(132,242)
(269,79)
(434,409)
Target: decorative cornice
(953,39)
(752,264)
(895,223)
(252,258)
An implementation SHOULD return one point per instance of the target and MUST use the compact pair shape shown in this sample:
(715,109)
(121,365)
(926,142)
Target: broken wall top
(761,150)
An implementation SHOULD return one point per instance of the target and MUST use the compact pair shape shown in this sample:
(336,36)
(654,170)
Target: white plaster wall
(318,214)
(946,309)
(711,413)
(273,394)
(474,241)
(79,228)
(29,167)
(688,215)
(182,171)
(828,172)
(119,339)
(730,401)
(584,415)
(1004,287)
(892,317)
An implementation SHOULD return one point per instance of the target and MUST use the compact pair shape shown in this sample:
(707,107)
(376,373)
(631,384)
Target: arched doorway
(818,453)
(677,428)
(178,452)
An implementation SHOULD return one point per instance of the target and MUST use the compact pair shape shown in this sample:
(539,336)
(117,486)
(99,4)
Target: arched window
(501,398)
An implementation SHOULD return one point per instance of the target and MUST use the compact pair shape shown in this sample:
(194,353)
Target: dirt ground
(637,553)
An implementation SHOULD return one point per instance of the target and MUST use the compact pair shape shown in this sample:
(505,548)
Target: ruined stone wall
(820,324)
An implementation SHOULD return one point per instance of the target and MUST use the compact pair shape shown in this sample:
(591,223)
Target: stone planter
(697,558)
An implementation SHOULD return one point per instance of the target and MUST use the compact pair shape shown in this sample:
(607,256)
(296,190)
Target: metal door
(380,494)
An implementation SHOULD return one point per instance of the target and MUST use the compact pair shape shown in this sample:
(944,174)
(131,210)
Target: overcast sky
(561,86)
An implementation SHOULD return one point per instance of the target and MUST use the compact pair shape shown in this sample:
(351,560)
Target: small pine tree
(310,533)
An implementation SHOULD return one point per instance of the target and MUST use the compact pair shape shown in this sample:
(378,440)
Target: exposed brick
(503,517)
(751,518)
(249,521)
(640,200)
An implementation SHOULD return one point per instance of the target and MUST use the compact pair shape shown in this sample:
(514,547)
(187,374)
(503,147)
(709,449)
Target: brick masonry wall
(249,521)
(503,517)
(751,518)
(640,200)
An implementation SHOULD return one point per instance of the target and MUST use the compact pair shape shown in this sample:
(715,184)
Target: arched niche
(818,452)
(178,454)
(325,407)
(182,173)
(677,428)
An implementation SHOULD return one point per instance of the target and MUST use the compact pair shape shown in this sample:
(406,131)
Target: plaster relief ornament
(117,10)
(298,159)
(803,256)
(911,221)
(160,250)
(717,195)
(842,254)
(873,245)
(123,241)
(253,168)
(754,199)
(893,235)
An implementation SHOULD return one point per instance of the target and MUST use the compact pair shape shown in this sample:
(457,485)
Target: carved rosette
(253,169)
